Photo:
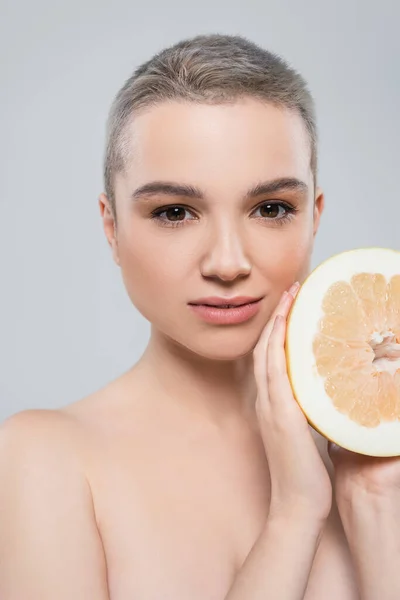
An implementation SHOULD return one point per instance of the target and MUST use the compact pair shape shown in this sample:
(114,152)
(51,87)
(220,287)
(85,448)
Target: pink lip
(227,316)
(218,300)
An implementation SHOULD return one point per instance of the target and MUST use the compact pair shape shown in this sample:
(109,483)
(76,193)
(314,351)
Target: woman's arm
(367,491)
(50,547)
(279,565)
(373,534)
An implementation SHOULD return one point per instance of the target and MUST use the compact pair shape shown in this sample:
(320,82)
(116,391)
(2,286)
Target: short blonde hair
(213,69)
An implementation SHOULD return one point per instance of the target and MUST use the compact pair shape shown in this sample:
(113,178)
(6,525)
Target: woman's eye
(272,211)
(173,214)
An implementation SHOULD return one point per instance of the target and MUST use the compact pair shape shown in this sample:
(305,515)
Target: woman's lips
(226,316)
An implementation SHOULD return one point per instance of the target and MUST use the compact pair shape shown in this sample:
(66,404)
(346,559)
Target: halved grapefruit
(343,350)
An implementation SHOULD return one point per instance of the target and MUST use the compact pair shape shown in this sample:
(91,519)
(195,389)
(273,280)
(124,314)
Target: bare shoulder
(45,497)
(38,431)
(43,449)
(44,441)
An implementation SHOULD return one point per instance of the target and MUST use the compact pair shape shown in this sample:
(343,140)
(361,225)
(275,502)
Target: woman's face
(221,236)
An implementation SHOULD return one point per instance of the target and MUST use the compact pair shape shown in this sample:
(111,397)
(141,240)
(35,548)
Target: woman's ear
(109,225)
(319,205)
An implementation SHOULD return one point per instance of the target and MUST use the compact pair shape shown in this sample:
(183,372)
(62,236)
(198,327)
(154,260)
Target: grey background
(67,326)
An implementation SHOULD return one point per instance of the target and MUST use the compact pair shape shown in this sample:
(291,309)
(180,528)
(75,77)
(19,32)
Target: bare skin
(179,502)
(158,485)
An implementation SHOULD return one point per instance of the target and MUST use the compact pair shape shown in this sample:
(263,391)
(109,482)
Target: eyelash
(290,213)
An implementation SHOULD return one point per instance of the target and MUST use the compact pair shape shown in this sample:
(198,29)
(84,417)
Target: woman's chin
(222,351)
(212,344)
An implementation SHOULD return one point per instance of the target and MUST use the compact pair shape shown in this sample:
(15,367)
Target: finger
(284,305)
(260,349)
(282,308)
(280,391)
(293,290)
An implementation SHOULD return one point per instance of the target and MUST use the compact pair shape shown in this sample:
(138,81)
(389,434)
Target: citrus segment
(387,398)
(343,318)
(336,354)
(370,289)
(393,306)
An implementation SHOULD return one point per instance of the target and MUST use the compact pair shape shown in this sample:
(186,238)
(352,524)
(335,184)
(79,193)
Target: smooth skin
(194,474)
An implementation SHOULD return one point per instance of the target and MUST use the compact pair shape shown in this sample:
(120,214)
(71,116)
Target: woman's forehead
(215,147)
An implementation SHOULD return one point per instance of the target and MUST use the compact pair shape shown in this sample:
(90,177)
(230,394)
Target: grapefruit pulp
(343,350)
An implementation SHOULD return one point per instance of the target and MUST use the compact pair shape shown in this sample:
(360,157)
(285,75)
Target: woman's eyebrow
(278,185)
(165,188)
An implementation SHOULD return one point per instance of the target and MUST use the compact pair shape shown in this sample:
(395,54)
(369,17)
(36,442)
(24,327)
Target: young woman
(195,475)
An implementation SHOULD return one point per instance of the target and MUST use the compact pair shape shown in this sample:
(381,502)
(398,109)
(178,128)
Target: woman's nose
(226,257)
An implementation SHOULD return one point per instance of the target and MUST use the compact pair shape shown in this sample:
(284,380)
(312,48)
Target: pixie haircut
(208,69)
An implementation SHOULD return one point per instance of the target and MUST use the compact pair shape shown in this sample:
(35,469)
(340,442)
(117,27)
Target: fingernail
(294,288)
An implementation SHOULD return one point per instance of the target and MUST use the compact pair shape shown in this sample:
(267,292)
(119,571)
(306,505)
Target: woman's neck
(218,390)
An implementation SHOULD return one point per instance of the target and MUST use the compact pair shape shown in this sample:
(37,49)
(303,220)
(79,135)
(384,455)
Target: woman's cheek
(290,259)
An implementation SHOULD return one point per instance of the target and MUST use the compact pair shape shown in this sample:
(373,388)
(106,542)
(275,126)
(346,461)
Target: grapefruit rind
(302,327)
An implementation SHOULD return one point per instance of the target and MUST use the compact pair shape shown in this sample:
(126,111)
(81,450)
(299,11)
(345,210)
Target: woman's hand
(368,476)
(300,483)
